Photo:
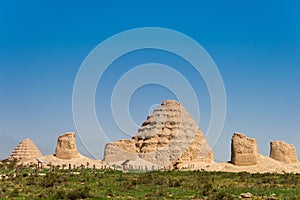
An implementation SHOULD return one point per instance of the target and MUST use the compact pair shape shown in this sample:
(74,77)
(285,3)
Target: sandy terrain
(264,165)
(51,159)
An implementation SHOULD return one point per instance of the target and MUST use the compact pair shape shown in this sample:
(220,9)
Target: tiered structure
(169,137)
(25,150)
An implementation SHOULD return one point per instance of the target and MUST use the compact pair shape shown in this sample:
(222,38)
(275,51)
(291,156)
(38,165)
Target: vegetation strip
(102,184)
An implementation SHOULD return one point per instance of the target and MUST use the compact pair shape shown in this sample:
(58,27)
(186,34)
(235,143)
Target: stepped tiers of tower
(169,137)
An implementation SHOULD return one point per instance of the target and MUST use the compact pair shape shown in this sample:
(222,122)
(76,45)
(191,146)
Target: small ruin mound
(66,146)
(283,152)
(244,150)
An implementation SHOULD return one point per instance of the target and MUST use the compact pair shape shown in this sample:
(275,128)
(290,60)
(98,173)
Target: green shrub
(81,193)
(109,193)
(14,193)
(175,182)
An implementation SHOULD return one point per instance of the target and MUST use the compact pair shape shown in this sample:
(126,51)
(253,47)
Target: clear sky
(255,45)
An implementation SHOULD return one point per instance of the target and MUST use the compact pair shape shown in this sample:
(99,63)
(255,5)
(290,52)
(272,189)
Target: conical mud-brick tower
(169,137)
(25,150)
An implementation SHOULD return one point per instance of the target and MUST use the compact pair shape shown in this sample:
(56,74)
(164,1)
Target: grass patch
(101,184)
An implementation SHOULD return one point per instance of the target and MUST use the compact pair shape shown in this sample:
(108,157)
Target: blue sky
(255,45)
